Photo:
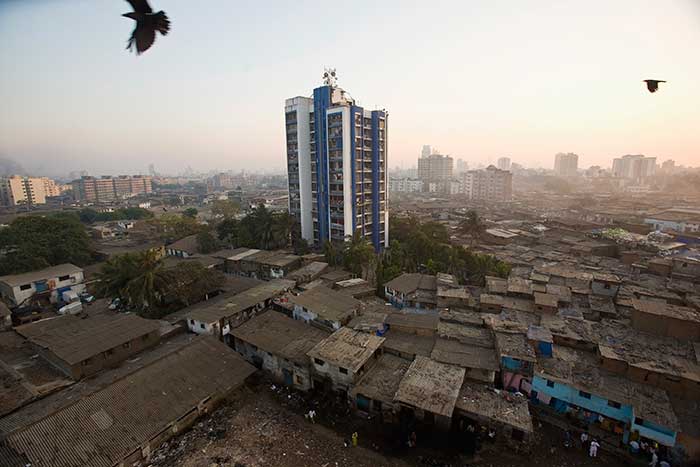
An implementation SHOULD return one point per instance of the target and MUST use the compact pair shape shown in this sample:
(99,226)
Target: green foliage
(261,228)
(143,284)
(35,242)
(189,282)
(190,212)
(417,247)
(472,226)
(174,226)
(300,246)
(225,208)
(89,215)
(207,243)
(357,254)
(332,255)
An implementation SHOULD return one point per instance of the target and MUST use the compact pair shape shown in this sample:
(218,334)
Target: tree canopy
(35,242)
(89,215)
(261,228)
(142,283)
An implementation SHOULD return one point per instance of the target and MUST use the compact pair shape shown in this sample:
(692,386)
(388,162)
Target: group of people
(592,445)
(651,451)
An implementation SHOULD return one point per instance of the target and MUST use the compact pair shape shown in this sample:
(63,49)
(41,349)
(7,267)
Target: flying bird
(653,84)
(147,23)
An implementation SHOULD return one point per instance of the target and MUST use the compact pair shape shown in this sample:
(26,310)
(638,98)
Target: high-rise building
(489,184)
(336,164)
(435,168)
(634,167)
(461,166)
(18,190)
(566,164)
(107,188)
(426,150)
(503,163)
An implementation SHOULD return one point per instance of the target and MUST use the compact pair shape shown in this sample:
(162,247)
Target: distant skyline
(477,80)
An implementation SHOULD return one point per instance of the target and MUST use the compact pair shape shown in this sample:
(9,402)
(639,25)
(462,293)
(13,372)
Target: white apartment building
(489,184)
(405,185)
(336,164)
(634,167)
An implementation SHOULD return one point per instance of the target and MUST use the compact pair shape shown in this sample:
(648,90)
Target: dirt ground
(263,425)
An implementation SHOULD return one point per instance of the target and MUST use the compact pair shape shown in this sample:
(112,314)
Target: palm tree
(133,277)
(472,226)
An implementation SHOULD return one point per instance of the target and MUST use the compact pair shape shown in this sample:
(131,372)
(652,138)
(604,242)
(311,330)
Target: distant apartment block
(107,188)
(634,167)
(17,190)
(336,163)
(566,164)
(489,184)
(435,168)
(503,163)
(405,185)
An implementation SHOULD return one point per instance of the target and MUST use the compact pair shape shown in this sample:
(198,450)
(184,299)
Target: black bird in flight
(147,23)
(653,84)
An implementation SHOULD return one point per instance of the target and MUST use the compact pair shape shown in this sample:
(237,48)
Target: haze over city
(475,81)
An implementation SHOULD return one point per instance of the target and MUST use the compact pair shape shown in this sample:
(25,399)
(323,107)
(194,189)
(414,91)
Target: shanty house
(416,292)
(80,347)
(278,344)
(222,313)
(342,358)
(324,307)
(125,421)
(374,392)
(53,281)
(429,391)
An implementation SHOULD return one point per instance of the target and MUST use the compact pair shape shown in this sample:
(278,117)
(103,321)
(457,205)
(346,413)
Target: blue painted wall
(322,101)
(600,405)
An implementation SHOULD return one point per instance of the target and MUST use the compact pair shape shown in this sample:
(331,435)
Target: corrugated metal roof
(103,428)
(47,273)
(74,339)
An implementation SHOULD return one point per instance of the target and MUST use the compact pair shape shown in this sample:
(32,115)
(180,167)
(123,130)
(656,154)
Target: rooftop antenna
(329,77)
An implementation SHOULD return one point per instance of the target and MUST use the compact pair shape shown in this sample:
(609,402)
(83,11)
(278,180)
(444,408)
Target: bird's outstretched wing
(140,6)
(142,37)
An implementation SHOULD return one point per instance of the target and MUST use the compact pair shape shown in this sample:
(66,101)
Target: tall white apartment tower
(336,164)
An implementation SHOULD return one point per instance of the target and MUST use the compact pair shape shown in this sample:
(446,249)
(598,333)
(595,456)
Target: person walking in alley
(354,439)
(654,459)
(584,440)
(593,450)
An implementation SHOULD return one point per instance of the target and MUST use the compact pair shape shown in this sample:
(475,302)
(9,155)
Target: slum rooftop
(347,348)
(431,386)
(326,303)
(221,307)
(276,333)
(75,339)
(101,429)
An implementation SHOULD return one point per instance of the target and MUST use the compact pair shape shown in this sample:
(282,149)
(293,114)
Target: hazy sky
(476,79)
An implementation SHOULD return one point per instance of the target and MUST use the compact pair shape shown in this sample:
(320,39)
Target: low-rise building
(80,346)
(52,281)
(413,292)
(374,392)
(340,360)
(262,264)
(657,317)
(278,344)
(125,421)
(219,315)
(325,308)
(429,390)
